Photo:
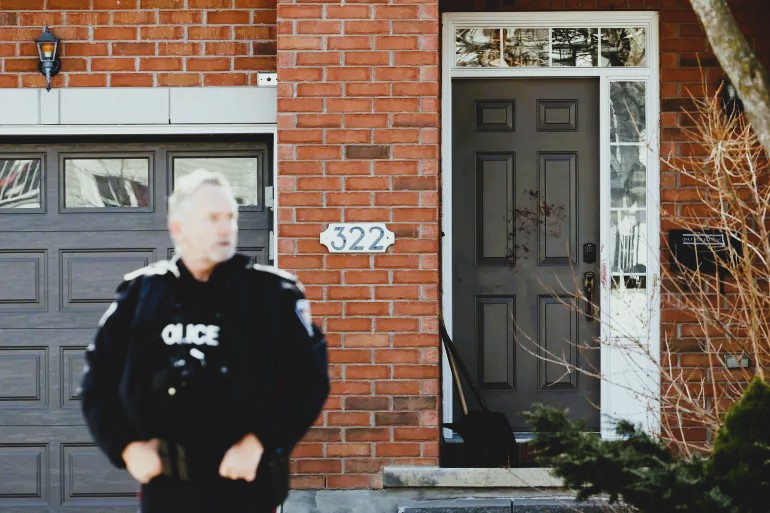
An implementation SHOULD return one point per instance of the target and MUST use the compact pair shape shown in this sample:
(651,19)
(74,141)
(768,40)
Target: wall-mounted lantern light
(47,48)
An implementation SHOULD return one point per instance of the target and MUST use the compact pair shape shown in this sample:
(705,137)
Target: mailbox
(705,250)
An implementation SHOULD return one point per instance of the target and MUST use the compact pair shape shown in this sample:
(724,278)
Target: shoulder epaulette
(158,268)
(281,274)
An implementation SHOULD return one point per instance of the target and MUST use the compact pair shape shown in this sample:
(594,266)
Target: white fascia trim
(63,130)
(650,74)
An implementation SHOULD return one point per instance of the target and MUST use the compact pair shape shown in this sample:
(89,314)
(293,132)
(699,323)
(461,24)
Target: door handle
(589,285)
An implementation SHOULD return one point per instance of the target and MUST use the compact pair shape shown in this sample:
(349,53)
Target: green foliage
(642,472)
(741,456)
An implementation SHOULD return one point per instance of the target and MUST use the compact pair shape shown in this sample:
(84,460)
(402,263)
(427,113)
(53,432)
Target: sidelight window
(629,242)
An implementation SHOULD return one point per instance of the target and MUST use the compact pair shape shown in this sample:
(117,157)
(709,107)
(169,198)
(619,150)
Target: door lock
(589,285)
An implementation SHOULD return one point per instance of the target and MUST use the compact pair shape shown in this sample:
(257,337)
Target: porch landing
(448,490)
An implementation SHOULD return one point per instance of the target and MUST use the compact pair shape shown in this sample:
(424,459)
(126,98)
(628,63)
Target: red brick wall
(682,45)
(361,79)
(358,105)
(140,43)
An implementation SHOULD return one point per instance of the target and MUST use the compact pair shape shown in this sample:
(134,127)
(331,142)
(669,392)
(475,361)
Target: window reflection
(628,241)
(478,47)
(96,183)
(20,183)
(627,115)
(242,172)
(628,176)
(526,47)
(574,47)
(623,47)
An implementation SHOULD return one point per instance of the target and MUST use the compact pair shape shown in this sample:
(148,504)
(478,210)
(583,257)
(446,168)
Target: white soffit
(223,105)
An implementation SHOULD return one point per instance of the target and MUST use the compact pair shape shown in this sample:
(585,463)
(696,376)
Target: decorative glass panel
(574,47)
(628,178)
(525,47)
(242,172)
(20,183)
(623,47)
(628,241)
(478,47)
(107,182)
(627,114)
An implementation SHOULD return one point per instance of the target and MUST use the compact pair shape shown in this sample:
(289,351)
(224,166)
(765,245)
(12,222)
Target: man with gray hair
(206,370)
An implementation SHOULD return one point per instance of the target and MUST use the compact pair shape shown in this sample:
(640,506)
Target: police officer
(206,370)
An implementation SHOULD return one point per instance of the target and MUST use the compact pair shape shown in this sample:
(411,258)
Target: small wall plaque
(357,238)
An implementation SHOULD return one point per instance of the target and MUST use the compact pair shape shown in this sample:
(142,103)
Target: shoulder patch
(157,268)
(302,309)
(287,276)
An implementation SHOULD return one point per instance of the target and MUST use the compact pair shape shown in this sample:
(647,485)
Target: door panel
(525,182)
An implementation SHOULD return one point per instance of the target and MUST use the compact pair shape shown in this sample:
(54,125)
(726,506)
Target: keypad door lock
(589,253)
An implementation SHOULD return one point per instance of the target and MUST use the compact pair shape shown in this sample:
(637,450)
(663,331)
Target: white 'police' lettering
(197,334)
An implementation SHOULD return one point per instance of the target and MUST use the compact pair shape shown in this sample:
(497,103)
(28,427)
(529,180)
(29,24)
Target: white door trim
(633,399)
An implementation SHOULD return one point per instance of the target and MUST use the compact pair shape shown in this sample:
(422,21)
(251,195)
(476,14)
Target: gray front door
(525,200)
(74,218)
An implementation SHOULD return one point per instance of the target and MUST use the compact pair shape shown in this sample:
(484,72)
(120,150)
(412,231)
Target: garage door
(73,219)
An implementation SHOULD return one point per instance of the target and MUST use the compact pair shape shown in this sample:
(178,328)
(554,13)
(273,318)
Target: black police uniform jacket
(263,363)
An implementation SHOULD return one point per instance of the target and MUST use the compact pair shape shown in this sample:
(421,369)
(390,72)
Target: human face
(206,228)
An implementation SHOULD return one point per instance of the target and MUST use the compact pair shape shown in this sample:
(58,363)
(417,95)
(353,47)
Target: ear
(174,228)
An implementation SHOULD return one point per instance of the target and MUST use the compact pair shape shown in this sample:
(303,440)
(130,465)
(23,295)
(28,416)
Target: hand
(242,459)
(142,460)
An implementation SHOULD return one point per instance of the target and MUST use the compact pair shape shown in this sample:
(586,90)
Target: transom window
(551,47)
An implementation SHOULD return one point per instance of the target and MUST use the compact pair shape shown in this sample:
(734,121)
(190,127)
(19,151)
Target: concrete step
(486,505)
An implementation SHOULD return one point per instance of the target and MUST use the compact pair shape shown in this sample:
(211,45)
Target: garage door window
(20,181)
(106,183)
(242,172)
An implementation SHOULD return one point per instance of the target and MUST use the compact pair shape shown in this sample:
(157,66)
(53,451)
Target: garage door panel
(24,377)
(24,280)
(88,278)
(40,372)
(54,221)
(254,243)
(85,240)
(88,477)
(54,320)
(24,472)
(72,362)
(58,468)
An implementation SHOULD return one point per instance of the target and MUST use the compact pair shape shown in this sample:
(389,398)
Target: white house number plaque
(357,238)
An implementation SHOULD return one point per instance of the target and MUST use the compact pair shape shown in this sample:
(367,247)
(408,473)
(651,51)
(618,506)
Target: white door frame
(624,395)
